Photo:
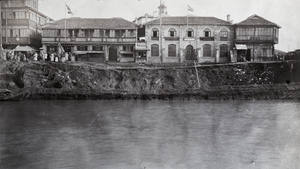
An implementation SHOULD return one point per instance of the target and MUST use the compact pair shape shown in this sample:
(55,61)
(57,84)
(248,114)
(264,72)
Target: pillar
(217,56)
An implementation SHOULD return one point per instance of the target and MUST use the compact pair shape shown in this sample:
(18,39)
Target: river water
(156,134)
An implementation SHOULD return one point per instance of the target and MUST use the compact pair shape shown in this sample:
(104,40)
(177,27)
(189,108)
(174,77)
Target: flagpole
(187,17)
(160,27)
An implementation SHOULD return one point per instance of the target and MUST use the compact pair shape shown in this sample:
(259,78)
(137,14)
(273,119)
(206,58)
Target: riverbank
(77,80)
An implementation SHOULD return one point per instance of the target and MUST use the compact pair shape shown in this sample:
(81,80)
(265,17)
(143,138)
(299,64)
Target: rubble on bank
(77,80)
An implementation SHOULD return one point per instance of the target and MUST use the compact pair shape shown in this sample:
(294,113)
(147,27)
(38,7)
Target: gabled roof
(191,20)
(91,23)
(255,20)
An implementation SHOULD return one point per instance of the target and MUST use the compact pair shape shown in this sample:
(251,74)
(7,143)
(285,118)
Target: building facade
(21,23)
(96,40)
(254,39)
(189,39)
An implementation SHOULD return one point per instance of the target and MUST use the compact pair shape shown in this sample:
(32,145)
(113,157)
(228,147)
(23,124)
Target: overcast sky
(285,13)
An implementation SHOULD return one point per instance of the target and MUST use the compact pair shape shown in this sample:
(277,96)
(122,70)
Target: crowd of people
(38,56)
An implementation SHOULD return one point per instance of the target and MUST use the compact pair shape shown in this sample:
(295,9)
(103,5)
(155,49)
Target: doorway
(113,54)
(190,53)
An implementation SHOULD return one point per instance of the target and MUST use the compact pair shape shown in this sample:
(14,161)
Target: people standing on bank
(35,56)
(52,57)
(56,58)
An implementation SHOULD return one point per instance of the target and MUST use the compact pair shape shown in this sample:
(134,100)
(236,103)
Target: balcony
(154,38)
(90,39)
(207,38)
(189,38)
(14,40)
(256,39)
(224,38)
(172,38)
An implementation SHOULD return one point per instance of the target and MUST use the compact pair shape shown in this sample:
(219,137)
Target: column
(217,56)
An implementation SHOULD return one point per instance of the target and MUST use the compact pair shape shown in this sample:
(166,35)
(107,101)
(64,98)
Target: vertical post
(6,26)
(160,32)
(65,22)
(0,30)
(197,75)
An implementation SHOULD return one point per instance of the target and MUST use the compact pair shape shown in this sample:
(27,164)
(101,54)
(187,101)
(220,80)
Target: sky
(285,13)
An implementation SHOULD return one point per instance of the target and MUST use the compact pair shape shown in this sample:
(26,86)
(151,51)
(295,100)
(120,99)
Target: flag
(69,10)
(190,8)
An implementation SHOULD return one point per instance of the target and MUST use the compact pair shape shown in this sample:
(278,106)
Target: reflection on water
(154,134)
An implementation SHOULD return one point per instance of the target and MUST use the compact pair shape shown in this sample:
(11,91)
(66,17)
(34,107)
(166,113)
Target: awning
(24,49)
(241,47)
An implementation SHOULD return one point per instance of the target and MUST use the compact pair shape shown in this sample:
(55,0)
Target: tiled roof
(91,23)
(191,20)
(256,20)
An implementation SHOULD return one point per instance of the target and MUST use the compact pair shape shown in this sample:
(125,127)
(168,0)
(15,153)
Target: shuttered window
(172,50)
(154,50)
(207,50)
(224,50)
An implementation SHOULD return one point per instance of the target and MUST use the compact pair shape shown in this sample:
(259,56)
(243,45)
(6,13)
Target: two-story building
(189,39)
(254,39)
(92,39)
(21,23)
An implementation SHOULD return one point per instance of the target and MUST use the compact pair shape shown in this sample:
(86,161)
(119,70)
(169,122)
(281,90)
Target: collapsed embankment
(45,80)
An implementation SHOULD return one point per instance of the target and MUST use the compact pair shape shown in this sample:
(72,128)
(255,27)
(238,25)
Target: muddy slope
(44,80)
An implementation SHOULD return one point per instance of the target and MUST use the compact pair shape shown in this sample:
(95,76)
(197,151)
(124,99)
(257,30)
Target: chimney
(228,18)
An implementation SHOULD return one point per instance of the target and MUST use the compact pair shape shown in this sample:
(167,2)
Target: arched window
(172,50)
(155,32)
(223,34)
(224,50)
(172,32)
(190,32)
(154,50)
(207,50)
(207,32)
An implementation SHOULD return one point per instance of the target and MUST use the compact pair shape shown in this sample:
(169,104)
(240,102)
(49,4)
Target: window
(81,33)
(224,33)
(82,48)
(96,33)
(172,50)
(51,49)
(154,50)
(207,32)
(23,33)
(190,32)
(155,32)
(120,33)
(172,32)
(97,48)
(264,52)
(127,48)
(276,32)
(107,33)
(206,50)
(130,33)
(224,50)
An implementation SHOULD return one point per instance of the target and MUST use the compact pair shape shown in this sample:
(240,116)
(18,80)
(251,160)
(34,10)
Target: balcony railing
(14,40)
(154,38)
(90,39)
(257,38)
(224,38)
(172,38)
(207,38)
